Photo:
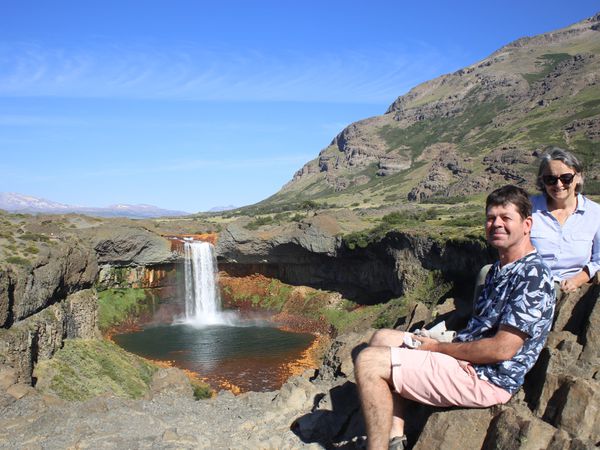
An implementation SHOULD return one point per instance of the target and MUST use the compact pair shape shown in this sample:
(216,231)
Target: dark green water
(256,358)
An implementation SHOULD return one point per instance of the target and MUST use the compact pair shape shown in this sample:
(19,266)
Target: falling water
(202,299)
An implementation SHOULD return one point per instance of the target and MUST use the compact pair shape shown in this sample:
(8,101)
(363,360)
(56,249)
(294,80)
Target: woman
(566,225)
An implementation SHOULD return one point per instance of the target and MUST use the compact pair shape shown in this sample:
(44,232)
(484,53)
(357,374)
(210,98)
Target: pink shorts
(440,380)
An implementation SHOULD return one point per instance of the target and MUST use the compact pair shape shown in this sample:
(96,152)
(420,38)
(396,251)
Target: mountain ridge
(20,203)
(464,133)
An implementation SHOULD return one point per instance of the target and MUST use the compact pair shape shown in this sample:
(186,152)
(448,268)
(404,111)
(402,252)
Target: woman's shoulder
(590,205)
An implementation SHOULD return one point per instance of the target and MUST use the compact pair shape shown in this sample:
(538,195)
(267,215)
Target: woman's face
(560,191)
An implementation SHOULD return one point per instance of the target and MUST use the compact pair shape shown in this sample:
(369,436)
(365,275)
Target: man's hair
(567,158)
(510,194)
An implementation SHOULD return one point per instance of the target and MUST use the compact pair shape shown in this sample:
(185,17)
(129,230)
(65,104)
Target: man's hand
(426,343)
(501,347)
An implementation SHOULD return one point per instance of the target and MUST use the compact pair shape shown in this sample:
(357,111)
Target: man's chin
(496,242)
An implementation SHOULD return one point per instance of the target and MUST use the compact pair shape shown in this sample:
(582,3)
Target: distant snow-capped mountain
(222,208)
(14,202)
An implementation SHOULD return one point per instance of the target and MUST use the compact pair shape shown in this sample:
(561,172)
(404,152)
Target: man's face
(505,228)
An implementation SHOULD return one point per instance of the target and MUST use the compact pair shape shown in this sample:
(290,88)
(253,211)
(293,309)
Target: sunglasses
(566,179)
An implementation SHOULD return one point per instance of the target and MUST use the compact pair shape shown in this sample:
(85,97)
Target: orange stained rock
(177,240)
(309,359)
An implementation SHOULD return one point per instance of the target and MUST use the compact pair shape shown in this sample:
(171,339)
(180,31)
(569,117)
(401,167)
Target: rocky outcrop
(60,271)
(40,335)
(52,300)
(129,246)
(557,408)
(312,253)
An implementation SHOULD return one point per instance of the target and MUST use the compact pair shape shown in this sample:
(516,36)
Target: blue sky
(191,104)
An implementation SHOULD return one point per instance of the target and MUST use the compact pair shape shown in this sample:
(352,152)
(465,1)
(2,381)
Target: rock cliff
(312,253)
(54,298)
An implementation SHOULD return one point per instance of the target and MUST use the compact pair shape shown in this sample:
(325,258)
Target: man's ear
(528,223)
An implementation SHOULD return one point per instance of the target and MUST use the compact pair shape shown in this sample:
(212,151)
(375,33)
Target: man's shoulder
(531,260)
(534,265)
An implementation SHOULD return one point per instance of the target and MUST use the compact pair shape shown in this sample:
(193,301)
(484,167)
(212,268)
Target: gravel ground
(172,418)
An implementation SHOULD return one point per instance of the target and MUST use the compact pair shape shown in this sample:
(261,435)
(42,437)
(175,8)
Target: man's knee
(387,338)
(373,362)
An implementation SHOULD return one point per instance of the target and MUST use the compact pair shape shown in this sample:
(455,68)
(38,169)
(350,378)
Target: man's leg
(398,416)
(373,376)
(392,338)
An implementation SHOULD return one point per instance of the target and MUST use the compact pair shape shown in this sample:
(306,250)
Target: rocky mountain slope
(463,133)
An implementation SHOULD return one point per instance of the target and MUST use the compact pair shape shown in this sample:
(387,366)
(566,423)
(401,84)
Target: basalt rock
(39,336)
(557,408)
(129,246)
(57,273)
(312,253)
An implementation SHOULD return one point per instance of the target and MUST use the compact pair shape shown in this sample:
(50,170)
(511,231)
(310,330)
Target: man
(487,361)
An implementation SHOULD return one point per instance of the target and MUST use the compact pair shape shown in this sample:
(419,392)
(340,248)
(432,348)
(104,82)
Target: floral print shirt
(519,295)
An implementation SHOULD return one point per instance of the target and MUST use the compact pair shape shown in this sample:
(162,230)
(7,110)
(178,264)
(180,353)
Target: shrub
(388,223)
(259,222)
(446,200)
(115,306)
(201,390)
(18,261)
(27,236)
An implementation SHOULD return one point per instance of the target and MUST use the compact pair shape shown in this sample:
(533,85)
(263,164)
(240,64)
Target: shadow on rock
(335,420)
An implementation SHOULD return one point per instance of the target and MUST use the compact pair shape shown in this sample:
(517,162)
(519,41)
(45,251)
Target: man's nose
(497,222)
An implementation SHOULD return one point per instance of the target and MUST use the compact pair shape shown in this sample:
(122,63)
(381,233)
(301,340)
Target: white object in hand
(410,341)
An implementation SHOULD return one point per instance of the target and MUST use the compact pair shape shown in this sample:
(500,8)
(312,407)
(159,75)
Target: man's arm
(501,347)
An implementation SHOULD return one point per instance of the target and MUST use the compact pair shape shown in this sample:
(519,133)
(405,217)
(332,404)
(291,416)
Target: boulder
(171,380)
(39,336)
(129,246)
(460,428)
(8,377)
(61,271)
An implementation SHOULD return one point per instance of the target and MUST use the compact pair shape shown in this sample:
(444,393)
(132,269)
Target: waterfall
(202,299)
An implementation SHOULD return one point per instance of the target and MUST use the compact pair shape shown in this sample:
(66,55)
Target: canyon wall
(55,298)
(311,254)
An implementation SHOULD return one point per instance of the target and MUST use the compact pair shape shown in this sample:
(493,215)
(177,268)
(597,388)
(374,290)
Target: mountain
(14,202)
(465,133)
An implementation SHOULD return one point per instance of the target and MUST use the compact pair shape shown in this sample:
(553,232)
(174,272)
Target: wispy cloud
(178,166)
(194,73)
(23,120)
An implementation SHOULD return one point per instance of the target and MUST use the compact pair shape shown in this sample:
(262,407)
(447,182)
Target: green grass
(389,222)
(259,222)
(548,63)
(348,316)
(274,299)
(86,368)
(19,261)
(117,305)
(34,237)
(440,129)
(390,312)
